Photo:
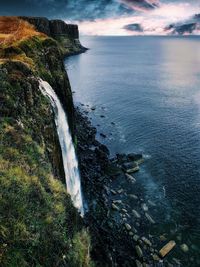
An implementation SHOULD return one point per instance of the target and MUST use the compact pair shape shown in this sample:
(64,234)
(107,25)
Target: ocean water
(148,91)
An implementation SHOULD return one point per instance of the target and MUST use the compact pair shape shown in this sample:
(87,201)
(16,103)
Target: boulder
(114,207)
(167,248)
(136,214)
(130,167)
(139,251)
(149,218)
(184,248)
(127,226)
(136,157)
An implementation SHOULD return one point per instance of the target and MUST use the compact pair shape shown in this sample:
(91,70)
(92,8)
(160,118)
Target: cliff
(39,224)
(66,34)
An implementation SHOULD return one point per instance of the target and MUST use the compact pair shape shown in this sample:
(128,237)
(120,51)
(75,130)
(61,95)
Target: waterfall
(70,162)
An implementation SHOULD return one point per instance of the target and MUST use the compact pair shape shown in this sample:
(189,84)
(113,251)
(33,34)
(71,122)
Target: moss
(39,225)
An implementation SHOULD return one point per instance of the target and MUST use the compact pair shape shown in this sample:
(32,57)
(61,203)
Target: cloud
(141,5)
(153,22)
(134,27)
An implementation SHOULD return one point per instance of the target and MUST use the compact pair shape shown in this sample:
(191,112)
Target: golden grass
(14,29)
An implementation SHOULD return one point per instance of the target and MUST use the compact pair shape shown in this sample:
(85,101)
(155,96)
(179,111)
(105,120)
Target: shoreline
(120,234)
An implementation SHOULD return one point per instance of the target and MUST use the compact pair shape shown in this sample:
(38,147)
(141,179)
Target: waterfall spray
(70,162)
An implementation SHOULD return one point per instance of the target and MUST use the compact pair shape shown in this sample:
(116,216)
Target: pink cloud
(152,22)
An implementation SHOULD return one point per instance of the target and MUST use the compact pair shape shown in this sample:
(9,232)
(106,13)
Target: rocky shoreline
(120,234)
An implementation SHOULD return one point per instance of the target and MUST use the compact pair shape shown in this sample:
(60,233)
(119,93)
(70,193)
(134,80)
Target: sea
(143,95)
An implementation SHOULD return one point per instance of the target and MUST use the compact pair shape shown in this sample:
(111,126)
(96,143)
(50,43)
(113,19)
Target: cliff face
(39,224)
(53,28)
(66,34)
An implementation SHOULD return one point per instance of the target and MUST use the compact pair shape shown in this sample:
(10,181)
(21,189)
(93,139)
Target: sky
(115,17)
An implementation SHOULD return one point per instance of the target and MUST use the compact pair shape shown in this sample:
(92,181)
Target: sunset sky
(115,17)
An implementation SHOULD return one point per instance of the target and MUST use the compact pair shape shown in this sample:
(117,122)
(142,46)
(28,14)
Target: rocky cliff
(39,224)
(66,34)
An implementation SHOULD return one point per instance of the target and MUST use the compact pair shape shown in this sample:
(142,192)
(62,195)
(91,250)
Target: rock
(124,210)
(138,263)
(131,233)
(184,248)
(136,238)
(120,191)
(149,218)
(103,135)
(163,238)
(117,201)
(130,167)
(102,116)
(135,157)
(151,203)
(167,248)
(93,108)
(146,241)
(155,257)
(145,207)
(130,178)
(114,207)
(133,196)
(136,214)
(113,192)
(139,251)
(128,227)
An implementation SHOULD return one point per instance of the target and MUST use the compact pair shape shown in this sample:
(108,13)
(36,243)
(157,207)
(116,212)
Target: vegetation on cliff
(38,224)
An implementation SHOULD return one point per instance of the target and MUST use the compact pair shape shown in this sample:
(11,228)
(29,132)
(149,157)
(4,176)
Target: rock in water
(184,248)
(167,248)
(114,207)
(145,207)
(139,251)
(130,167)
(149,218)
(130,178)
(128,227)
(136,214)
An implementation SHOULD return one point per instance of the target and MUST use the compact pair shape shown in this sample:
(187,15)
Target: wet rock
(102,116)
(163,238)
(167,248)
(151,203)
(103,135)
(145,207)
(146,241)
(155,257)
(120,191)
(138,263)
(135,157)
(136,238)
(93,108)
(124,210)
(149,218)
(115,207)
(117,201)
(130,178)
(139,251)
(133,196)
(136,214)
(184,248)
(130,167)
(113,192)
(127,226)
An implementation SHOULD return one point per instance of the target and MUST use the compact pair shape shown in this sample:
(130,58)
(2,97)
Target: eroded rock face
(53,28)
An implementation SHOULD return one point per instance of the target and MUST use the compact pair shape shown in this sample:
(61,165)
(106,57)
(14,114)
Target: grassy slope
(38,224)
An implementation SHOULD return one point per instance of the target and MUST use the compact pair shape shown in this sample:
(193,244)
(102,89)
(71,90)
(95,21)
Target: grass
(39,225)
(13,29)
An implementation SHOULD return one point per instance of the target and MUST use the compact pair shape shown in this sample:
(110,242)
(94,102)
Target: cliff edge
(39,225)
